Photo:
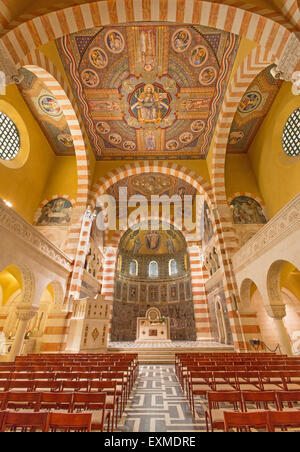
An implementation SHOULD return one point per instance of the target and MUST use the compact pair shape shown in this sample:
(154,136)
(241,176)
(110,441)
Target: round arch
(80,150)
(273,281)
(53,25)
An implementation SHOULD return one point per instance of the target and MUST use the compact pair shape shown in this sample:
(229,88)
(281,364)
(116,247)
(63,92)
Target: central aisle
(157,404)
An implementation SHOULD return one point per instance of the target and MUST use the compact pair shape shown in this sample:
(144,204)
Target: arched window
(291,133)
(173,267)
(9,138)
(153,269)
(119,263)
(133,268)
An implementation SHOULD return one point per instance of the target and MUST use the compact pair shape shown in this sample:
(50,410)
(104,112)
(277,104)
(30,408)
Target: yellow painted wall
(10,282)
(104,167)
(24,187)
(278,175)
(63,178)
(290,279)
(239,176)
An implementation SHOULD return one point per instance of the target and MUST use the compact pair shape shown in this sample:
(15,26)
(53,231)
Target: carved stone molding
(8,67)
(276,311)
(14,223)
(25,314)
(279,227)
(290,58)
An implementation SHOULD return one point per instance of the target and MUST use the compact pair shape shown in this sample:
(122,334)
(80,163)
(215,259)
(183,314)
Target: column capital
(23,313)
(276,311)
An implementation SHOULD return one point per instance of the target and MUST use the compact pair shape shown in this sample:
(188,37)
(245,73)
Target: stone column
(24,315)
(278,312)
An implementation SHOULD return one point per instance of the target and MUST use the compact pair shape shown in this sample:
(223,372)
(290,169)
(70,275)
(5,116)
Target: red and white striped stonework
(199,276)
(255,26)
(5,15)
(56,332)
(108,281)
(291,11)
(250,328)
(38,59)
(74,284)
(80,150)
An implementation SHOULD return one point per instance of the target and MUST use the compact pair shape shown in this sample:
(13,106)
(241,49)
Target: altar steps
(166,355)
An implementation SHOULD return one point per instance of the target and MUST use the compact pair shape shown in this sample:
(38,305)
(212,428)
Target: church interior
(149,215)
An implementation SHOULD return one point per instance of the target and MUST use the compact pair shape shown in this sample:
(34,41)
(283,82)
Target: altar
(153,327)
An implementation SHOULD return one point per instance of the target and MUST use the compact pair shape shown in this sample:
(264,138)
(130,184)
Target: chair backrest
(260,397)
(221,397)
(246,421)
(22,400)
(56,401)
(44,385)
(81,385)
(3,397)
(289,397)
(25,422)
(79,422)
(283,419)
(22,385)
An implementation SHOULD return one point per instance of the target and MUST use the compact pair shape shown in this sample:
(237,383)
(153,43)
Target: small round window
(291,135)
(9,138)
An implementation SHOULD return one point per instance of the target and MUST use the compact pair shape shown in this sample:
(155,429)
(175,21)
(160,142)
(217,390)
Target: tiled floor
(157,404)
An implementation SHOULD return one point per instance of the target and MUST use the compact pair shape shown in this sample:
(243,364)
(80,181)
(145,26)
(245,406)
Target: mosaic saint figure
(148,50)
(149,104)
(153,240)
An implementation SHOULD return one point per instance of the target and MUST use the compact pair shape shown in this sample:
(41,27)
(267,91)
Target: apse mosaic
(47,112)
(151,90)
(251,111)
(246,210)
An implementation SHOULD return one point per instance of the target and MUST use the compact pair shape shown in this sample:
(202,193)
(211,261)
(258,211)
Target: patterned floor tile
(157,404)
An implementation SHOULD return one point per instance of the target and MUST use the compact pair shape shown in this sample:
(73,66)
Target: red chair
(81,385)
(28,401)
(112,398)
(95,402)
(20,385)
(267,399)
(214,415)
(44,385)
(199,384)
(25,422)
(56,401)
(246,421)
(3,397)
(291,398)
(283,420)
(69,422)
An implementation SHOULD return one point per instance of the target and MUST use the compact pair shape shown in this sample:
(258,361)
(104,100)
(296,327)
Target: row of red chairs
(200,383)
(247,401)
(268,421)
(71,402)
(45,422)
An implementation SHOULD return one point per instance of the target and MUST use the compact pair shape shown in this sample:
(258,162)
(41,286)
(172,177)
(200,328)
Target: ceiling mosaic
(250,114)
(48,113)
(149,91)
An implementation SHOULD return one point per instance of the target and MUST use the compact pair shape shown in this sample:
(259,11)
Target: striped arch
(189,176)
(37,58)
(75,130)
(28,36)
(5,14)
(291,11)
(253,64)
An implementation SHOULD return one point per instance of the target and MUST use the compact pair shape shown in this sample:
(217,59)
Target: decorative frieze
(279,227)
(14,223)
